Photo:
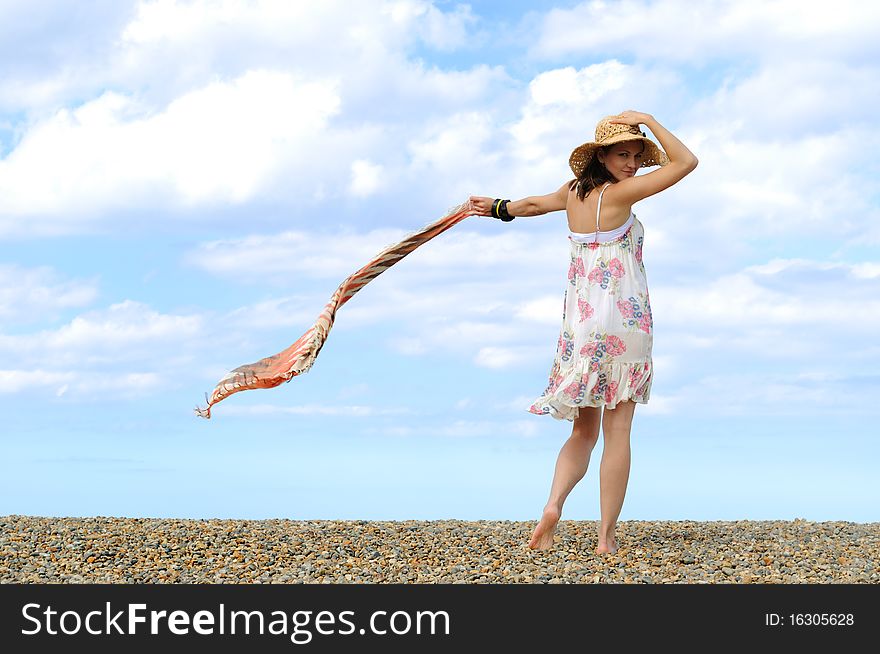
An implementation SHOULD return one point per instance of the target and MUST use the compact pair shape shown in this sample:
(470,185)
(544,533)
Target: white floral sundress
(603,355)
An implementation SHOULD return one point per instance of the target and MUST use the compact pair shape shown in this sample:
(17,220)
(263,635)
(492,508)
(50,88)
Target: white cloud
(781,294)
(866,270)
(454,144)
(13,381)
(790,392)
(546,310)
(162,21)
(125,350)
(77,383)
(221,143)
(457,334)
(506,357)
(364,45)
(277,312)
(32,294)
(366,178)
(786,99)
(121,325)
(683,31)
(164,49)
(558,96)
(568,86)
(124,331)
(444,31)
(227,144)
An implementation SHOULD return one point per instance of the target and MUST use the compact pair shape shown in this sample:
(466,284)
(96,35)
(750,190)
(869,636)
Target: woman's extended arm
(534,205)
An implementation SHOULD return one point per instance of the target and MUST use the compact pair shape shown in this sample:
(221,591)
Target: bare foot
(607,546)
(542,537)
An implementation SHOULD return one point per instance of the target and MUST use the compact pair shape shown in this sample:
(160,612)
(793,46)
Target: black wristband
(499,210)
(502,211)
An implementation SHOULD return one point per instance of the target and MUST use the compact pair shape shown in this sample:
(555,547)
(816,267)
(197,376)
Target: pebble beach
(42,550)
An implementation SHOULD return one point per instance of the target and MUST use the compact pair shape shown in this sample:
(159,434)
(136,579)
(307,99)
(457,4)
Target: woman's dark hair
(594,174)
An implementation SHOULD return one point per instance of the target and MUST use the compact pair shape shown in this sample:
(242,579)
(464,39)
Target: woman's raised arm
(681,163)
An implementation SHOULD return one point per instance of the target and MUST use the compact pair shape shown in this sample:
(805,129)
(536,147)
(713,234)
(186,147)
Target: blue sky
(183,185)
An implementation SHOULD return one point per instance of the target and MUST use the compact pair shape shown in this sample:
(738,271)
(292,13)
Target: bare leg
(571,466)
(614,471)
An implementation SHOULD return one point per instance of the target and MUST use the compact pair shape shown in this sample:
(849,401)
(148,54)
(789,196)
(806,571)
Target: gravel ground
(147,550)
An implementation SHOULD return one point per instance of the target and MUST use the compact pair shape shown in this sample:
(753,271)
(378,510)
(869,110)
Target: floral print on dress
(636,312)
(636,373)
(555,377)
(603,389)
(602,348)
(585,309)
(555,380)
(576,390)
(607,274)
(566,345)
(539,410)
(576,268)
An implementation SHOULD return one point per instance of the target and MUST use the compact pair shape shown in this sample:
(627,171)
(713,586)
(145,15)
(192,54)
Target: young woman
(603,356)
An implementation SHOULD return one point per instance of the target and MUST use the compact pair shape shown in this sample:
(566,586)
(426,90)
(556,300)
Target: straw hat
(608,133)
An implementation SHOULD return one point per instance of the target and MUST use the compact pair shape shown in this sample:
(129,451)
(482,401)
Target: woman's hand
(482,206)
(630,117)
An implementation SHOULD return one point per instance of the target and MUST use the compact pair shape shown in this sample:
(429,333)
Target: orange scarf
(299,357)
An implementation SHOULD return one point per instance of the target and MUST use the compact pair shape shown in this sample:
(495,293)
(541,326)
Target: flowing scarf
(299,357)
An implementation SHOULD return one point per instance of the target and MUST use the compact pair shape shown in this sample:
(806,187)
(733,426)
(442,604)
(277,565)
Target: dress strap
(598,207)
